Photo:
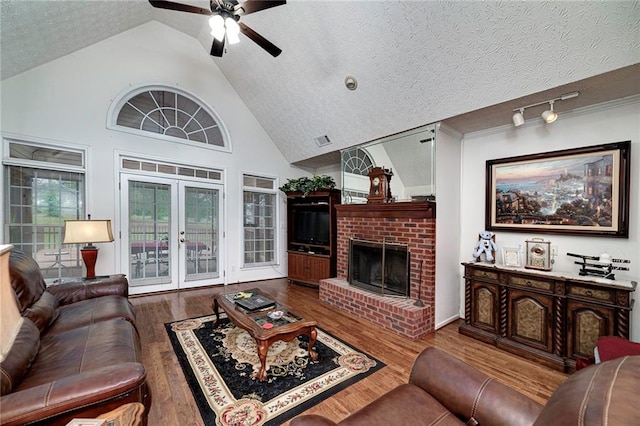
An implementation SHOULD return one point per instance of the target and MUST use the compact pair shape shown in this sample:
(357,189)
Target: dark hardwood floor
(172,401)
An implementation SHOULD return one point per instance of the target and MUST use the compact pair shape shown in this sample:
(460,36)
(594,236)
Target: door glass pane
(149,227)
(201,232)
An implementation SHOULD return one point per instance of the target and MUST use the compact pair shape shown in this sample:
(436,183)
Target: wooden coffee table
(286,328)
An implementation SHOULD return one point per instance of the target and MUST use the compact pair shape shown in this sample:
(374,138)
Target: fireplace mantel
(409,210)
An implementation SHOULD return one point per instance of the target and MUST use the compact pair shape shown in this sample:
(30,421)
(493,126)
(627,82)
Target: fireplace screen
(381,268)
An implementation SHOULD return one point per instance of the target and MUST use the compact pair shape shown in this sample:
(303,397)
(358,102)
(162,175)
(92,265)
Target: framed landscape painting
(581,191)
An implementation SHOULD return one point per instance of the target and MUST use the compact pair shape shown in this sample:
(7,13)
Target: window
(171,114)
(45,185)
(259,219)
(357,161)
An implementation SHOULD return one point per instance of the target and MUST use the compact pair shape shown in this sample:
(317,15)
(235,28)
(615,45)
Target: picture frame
(579,191)
(511,257)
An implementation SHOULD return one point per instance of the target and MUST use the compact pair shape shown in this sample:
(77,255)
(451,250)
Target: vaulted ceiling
(468,64)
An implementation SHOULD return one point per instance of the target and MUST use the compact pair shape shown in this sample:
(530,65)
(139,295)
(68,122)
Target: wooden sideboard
(552,318)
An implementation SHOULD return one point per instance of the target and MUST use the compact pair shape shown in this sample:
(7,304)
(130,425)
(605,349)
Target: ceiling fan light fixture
(549,116)
(233,30)
(216,22)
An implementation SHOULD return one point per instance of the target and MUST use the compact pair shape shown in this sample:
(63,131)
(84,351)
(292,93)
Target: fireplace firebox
(379,267)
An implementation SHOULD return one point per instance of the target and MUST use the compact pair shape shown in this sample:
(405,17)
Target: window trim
(123,97)
(276,224)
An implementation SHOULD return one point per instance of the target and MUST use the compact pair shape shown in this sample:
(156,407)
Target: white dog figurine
(485,245)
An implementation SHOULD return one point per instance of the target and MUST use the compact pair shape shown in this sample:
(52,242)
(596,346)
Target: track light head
(549,116)
(518,118)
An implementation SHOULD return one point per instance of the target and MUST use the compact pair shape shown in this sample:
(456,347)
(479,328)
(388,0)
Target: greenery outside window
(44,186)
(259,220)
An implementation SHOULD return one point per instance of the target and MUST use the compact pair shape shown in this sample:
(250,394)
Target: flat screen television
(312,227)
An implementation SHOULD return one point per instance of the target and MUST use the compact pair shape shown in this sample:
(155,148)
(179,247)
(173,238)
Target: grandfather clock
(380,185)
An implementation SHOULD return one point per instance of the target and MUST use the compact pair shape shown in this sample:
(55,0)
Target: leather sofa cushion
(91,311)
(420,408)
(26,279)
(20,356)
(601,394)
(83,350)
(44,311)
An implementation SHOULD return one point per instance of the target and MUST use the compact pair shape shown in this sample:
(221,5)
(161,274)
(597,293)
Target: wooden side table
(125,415)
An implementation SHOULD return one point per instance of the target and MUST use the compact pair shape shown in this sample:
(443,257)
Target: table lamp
(88,232)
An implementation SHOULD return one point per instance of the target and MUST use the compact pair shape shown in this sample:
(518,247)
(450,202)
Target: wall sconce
(88,232)
(549,116)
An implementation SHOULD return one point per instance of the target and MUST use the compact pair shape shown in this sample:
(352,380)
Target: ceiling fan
(224,21)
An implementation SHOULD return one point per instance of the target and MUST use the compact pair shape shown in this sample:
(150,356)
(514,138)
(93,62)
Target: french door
(171,233)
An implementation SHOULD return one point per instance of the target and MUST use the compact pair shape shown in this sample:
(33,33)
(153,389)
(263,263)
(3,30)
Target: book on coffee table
(256,302)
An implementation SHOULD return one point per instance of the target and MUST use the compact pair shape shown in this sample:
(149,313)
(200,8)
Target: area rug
(219,361)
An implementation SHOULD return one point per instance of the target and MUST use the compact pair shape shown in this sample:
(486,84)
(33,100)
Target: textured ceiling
(416,62)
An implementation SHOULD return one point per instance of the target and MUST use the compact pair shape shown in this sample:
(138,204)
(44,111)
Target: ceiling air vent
(322,141)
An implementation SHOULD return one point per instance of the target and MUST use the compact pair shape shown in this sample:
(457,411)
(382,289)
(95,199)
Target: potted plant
(307,185)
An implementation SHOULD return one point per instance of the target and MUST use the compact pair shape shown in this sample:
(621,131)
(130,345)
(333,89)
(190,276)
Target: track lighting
(549,116)
(518,118)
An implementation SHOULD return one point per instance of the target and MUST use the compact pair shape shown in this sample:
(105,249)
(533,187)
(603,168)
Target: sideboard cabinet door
(530,319)
(485,306)
(587,322)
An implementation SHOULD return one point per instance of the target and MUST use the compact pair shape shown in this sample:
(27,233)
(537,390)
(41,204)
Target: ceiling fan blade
(217,48)
(163,4)
(259,40)
(251,6)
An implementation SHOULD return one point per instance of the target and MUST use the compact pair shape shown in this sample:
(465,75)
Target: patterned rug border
(209,414)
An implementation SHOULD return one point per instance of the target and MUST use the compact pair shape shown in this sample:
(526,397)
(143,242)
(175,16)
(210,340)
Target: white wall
(447,225)
(612,122)
(67,100)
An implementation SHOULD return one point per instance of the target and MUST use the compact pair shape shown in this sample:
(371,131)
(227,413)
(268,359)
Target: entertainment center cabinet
(312,236)
(551,318)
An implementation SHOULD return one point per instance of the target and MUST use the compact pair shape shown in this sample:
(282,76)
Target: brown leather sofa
(443,390)
(75,353)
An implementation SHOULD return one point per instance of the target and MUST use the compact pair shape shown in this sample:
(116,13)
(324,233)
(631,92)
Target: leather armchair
(445,391)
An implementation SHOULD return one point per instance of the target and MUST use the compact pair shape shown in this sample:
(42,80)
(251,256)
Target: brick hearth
(407,223)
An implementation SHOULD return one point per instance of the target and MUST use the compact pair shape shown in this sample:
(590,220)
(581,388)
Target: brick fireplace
(410,223)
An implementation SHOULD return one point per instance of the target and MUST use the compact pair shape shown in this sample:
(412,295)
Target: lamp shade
(87,231)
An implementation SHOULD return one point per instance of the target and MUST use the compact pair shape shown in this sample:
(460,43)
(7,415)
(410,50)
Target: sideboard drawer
(483,274)
(599,294)
(528,282)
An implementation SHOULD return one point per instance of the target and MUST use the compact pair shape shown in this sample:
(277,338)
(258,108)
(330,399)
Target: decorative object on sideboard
(88,232)
(599,266)
(380,185)
(486,245)
(307,185)
(511,257)
(538,254)
(581,191)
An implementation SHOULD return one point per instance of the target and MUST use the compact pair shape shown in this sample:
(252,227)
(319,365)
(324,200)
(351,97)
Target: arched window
(168,113)
(357,161)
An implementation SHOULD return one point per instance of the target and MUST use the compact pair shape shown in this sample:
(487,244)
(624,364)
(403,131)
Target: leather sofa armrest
(312,420)
(70,393)
(470,394)
(70,290)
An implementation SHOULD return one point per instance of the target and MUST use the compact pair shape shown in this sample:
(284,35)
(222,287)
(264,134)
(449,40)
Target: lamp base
(90,256)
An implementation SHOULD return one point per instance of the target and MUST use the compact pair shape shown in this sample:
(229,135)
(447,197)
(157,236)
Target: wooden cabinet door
(587,322)
(296,266)
(484,311)
(530,319)
(317,268)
